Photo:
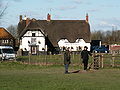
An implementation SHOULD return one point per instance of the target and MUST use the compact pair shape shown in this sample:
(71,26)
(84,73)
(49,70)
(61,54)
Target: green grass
(16,76)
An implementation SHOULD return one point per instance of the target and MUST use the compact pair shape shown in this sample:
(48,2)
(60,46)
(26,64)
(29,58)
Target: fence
(48,59)
(106,60)
(99,60)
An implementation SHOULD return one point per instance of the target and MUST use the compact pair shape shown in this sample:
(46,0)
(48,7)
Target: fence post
(45,57)
(99,60)
(73,55)
(72,58)
(113,60)
(96,62)
(102,61)
(29,57)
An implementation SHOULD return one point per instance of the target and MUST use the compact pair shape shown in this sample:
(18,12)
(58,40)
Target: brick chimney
(27,21)
(87,17)
(20,17)
(48,17)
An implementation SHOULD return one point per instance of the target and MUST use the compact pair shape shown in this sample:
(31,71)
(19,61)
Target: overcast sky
(103,14)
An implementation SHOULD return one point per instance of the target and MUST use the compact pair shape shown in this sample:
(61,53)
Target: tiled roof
(4,34)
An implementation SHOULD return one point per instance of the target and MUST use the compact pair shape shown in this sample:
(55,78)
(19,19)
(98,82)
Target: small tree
(13,30)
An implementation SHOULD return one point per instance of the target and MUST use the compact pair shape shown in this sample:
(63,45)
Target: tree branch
(3,11)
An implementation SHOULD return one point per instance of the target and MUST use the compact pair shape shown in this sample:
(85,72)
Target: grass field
(16,76)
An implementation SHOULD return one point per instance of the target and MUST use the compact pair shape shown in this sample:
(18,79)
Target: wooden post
(99,60)
(15,58)
(102,61)
(29,57)
(93,60)
(73,56)
(45,58)
(96,62)
(72,59)
(45,54)
(113,59)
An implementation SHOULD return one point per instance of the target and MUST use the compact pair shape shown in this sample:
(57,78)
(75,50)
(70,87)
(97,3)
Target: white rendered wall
(40,40)
(79,43)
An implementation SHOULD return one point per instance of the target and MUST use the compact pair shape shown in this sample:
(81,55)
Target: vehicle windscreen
(10,51)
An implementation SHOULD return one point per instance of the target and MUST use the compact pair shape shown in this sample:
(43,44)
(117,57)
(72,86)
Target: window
(2,41)
(5,41)
(10,51)
(33,34)
(33,40)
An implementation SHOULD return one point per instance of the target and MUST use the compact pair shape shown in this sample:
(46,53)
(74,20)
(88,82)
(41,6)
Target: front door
(33,50)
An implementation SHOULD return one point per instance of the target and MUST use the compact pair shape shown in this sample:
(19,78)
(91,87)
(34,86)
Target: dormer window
(33,34)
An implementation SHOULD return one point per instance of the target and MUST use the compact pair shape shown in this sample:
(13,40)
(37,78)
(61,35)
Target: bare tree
(108,37)
(4,6)
(97,35)
(13,30)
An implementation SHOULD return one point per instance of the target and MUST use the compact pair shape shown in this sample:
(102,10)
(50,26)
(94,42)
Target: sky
(103,14)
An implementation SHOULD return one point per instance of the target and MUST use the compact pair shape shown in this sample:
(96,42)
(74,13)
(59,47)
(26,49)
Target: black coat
(85,54)
(67,57)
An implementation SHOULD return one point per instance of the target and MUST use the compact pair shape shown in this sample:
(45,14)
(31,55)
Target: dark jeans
(85,62)
(66,68)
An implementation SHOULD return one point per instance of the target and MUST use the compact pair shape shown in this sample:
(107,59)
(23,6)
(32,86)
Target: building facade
(53,35)
(76,46)
(6,39)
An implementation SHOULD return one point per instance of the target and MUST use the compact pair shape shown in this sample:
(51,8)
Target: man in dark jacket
(67,60)
(85,56)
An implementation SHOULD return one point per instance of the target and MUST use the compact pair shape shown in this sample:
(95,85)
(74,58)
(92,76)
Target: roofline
(41,30)
(60,20)
(8,32)
(30,30)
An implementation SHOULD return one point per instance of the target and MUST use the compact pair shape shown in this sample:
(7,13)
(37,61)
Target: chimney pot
(48,17)
(27,21)
(20,17)
(25,17)
(87,17)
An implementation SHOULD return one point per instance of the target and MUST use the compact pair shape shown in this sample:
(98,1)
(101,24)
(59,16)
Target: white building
(32,39)
(49,35)
(76,46)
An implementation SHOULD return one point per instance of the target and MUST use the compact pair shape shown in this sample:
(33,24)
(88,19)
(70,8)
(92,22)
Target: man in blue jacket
(85,56)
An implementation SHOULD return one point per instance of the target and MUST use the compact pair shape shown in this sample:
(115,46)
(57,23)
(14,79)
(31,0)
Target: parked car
(92,48)
(101,49)
(6,53)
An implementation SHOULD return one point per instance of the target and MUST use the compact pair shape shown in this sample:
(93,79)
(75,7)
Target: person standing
(85,56)
(67,60)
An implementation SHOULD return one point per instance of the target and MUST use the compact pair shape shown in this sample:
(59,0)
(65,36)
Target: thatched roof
(32,26)
(58,29)
(4,34)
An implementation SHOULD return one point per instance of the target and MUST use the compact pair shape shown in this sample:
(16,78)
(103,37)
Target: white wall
(40,40)
(79,43)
